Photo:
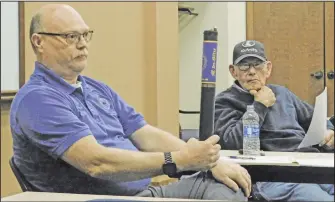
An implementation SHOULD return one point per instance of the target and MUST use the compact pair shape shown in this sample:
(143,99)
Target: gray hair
(35,26)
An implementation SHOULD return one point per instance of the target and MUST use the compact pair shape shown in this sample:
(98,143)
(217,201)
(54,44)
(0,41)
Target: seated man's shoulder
(98,85)
(93,82)
(32,93)
(277,88)
(227,94)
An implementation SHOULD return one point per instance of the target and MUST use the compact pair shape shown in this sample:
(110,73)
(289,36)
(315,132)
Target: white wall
(230,20)
(9,46)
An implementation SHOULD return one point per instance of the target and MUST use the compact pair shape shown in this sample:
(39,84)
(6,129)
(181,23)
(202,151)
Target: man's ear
(37,42)
(233,71)
(269,69)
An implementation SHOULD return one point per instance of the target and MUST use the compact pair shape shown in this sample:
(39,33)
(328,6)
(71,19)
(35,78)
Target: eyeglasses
(71,37)
(247,66)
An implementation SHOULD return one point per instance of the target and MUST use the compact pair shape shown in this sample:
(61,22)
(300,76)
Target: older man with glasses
(74,134)
(284,120)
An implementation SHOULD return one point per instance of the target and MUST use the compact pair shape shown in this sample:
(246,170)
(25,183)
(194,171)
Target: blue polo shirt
(48,115)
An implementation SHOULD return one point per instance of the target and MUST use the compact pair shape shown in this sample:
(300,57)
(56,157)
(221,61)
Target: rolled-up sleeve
(130,119)
(47,119)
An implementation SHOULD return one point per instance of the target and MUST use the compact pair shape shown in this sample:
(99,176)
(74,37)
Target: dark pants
(197,186)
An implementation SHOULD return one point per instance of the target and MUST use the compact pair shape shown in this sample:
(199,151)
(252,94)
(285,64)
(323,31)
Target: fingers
(213,139)
(330,143)
(242,180)
(329,139)
(215,153)
(214,161)
(230,183)
(253,92)
(216,148)
(212,165)
(247,178)
(215,158)
(326,140)
(192,139)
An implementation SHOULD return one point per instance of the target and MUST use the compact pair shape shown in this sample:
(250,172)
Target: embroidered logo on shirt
(104,103)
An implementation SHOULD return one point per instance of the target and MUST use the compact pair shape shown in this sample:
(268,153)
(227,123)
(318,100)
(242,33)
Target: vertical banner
(209,60)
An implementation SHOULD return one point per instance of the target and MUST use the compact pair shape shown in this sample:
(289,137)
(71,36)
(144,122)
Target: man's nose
(252,70)
(81,43)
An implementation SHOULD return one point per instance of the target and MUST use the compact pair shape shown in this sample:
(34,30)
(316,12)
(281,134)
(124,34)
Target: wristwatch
(169,167)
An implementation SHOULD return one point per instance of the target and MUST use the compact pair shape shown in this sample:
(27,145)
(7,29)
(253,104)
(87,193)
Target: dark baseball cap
(249,48)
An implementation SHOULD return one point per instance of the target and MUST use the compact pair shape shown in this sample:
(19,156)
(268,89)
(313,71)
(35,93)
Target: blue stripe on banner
(209,61)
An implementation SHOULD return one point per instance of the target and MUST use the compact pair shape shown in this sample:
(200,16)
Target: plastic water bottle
(251,142)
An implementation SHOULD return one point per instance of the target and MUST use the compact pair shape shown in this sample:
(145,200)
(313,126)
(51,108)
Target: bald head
(54,18)
(60,38)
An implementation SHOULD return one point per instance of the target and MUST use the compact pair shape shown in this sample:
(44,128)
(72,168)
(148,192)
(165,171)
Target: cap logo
(249,50)
(247,44)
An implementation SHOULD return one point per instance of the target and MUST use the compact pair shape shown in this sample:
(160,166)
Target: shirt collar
(78,84)
(239,87)
(56,81)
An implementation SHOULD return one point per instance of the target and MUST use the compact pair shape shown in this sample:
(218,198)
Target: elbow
(98,169)
(107,173)
(95,169)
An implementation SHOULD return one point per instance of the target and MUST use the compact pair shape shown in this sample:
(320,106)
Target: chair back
(24,184)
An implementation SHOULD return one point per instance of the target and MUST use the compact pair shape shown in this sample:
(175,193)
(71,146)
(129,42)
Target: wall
(9,185)
(9,46)
(134,50)
(9,81)
(230,20)
(123,55)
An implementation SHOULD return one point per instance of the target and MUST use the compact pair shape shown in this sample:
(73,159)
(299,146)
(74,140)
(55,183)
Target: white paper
(264,160)
(318,128)
(317,162)
(284,161)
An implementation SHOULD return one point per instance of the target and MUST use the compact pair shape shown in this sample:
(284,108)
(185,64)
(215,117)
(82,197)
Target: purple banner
(209,59)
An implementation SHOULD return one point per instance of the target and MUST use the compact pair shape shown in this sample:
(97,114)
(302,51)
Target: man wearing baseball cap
(283,119)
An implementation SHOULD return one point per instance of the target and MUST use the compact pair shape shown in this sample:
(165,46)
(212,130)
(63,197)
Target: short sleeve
(130,119)
(46,118)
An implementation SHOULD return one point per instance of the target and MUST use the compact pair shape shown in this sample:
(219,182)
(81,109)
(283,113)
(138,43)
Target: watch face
(170,169)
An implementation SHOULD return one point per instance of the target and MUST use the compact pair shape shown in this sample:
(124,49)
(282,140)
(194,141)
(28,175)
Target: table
(305,167)
(47,196)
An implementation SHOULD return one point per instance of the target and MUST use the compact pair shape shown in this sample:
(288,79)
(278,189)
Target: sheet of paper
(317,162)
(317,130)
(264,160)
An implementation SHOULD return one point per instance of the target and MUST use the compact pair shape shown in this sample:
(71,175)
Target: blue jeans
(277,191)
(196,186)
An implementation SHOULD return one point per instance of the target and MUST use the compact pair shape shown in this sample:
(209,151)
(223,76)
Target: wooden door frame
(21,45)
(329,52)
(249,20)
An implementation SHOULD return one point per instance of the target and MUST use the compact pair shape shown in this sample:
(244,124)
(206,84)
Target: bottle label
(251,131)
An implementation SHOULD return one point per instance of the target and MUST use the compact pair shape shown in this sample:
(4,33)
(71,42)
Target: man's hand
(329,139)
(198,155)
(233,175)
(264,96)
